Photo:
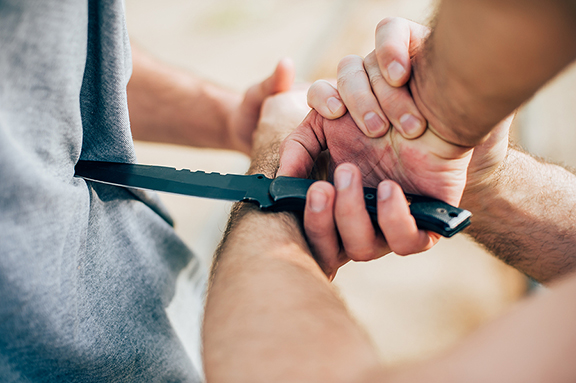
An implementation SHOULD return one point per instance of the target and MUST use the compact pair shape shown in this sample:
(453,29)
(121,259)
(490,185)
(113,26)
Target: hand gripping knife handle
(429,213)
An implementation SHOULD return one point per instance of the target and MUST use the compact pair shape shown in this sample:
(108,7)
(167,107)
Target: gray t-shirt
(86,270)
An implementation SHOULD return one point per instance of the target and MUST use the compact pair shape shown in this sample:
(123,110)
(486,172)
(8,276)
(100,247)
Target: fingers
(397,103)
(398,225)
(356,92)
(396,40)
(281,80)
(373,103)
(357,232)
(321,229)
(374,91)
(325,99)
(339,210)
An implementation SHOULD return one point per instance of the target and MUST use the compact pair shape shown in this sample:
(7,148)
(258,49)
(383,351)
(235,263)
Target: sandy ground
(412,306)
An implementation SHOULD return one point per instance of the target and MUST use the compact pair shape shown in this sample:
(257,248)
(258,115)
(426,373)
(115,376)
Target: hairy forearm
(170,105)
(483,59)
(526,215)
(271,313)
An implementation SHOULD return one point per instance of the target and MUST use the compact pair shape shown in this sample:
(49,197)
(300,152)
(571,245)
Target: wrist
(265,156)
(280,236)
(441,100)
(460,103)
(484,184)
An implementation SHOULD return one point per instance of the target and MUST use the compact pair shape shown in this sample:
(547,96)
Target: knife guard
(430,214)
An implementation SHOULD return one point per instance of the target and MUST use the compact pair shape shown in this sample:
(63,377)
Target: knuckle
(361,97)
(351,76)
(361,254)
(348,60)
(376,80)
(347,211)
(313,91)
(402,250)
(407,247)
(370,60)
(315,232)
(384,53)
(320,87)
(354,95)
(391,98)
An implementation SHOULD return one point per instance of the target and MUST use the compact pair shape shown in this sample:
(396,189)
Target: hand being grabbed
(426,165)
(403,155)
(243,120)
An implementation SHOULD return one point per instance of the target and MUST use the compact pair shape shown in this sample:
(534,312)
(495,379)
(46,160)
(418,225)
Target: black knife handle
(430,214)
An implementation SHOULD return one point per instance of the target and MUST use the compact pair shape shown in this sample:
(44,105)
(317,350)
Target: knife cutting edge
(279,194)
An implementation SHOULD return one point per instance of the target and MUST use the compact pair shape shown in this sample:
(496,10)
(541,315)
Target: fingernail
(396,71)
(373,122)
(317,201)
(334,104)
(410,124)
(343,178)
(384,191)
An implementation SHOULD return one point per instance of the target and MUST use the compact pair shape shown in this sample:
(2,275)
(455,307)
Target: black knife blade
(279,194)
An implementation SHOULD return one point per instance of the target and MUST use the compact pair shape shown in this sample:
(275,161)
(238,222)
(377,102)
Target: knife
(279,194)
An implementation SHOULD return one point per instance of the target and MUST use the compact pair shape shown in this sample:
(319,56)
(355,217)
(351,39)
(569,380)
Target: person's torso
(86,270)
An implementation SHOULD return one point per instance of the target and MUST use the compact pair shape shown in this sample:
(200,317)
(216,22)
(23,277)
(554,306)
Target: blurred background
(413,307)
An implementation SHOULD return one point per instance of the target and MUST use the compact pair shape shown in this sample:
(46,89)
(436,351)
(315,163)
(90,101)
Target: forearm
(485,58)
(526,215)
(170,105)
(271,314)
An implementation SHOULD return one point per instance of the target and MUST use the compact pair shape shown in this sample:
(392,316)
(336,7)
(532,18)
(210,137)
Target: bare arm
(534,342)
(483,59)
(271,313)
(166,102)
(272,316)
(525,213)
(171,105)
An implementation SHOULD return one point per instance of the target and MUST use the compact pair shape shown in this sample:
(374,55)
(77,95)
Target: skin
(506,189)
(420,162)
(270,305)
(500,44)
(340,230)
(525,213)
(427,165)
(272,315)
(170,105)
(388,157)
(489,57)
(274,262)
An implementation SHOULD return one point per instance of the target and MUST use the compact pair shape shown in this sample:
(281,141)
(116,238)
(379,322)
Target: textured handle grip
(289,194)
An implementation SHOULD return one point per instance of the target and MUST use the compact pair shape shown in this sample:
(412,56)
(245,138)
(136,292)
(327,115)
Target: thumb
(302,147)
(279,81)
(244,119)
(282,78)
